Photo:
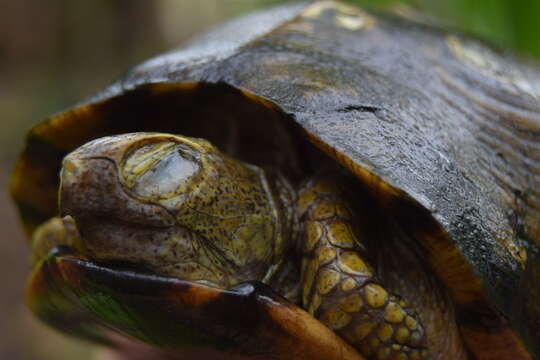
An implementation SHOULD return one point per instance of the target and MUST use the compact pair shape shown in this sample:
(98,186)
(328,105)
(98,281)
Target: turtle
(310,181)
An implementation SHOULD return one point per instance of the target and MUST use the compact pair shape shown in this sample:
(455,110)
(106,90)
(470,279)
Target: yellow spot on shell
(402,335)
(347,17)
(383,353)
(314,233)
(375,295)
(487,61)
(394,313)
(328,279)
(348,285)
(385,332)
(353,22)
(411,323)
(351,263)
(325,255)
(336,319)
(363,330)
(340,234)
(351,303)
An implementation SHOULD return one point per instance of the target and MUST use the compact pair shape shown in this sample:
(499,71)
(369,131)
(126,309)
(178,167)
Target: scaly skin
(181,208)
(341,289)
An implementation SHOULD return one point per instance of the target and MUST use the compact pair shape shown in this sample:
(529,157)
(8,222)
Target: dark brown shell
(430,120)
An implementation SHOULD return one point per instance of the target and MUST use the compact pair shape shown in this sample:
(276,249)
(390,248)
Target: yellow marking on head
(328,279)
(151,154)
(375,295)
(363,330)
(314,233)
(394,313)
(402,335)
(383,353)
(385,332)
(348,284)
(340,234)
(351,303)
(411,322)
(351,263)
(336,319)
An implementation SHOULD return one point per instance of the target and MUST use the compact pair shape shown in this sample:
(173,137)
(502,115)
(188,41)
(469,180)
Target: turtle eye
(159,170)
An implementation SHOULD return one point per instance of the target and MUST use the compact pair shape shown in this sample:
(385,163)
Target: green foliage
(506,23)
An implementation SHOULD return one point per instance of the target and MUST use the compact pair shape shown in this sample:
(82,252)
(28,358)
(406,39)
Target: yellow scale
(342,290)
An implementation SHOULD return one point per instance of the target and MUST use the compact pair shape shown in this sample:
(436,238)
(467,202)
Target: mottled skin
(161,201)
(342,290)
(179,207)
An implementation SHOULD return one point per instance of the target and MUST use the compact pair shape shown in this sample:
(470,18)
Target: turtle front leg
(340,287)
(51,234)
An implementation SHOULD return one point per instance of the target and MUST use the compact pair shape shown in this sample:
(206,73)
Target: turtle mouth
(89,187)
(117,229)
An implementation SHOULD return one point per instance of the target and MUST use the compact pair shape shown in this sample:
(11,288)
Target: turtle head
(175,205)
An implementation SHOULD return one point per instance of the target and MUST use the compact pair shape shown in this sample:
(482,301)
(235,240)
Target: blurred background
(54,53)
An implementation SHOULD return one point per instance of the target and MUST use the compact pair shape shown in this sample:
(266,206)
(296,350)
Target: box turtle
(311,181)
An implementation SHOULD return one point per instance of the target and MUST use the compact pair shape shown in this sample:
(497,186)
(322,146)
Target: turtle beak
(90,189)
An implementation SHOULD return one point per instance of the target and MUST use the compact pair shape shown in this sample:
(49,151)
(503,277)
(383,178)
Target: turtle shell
(442,128)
